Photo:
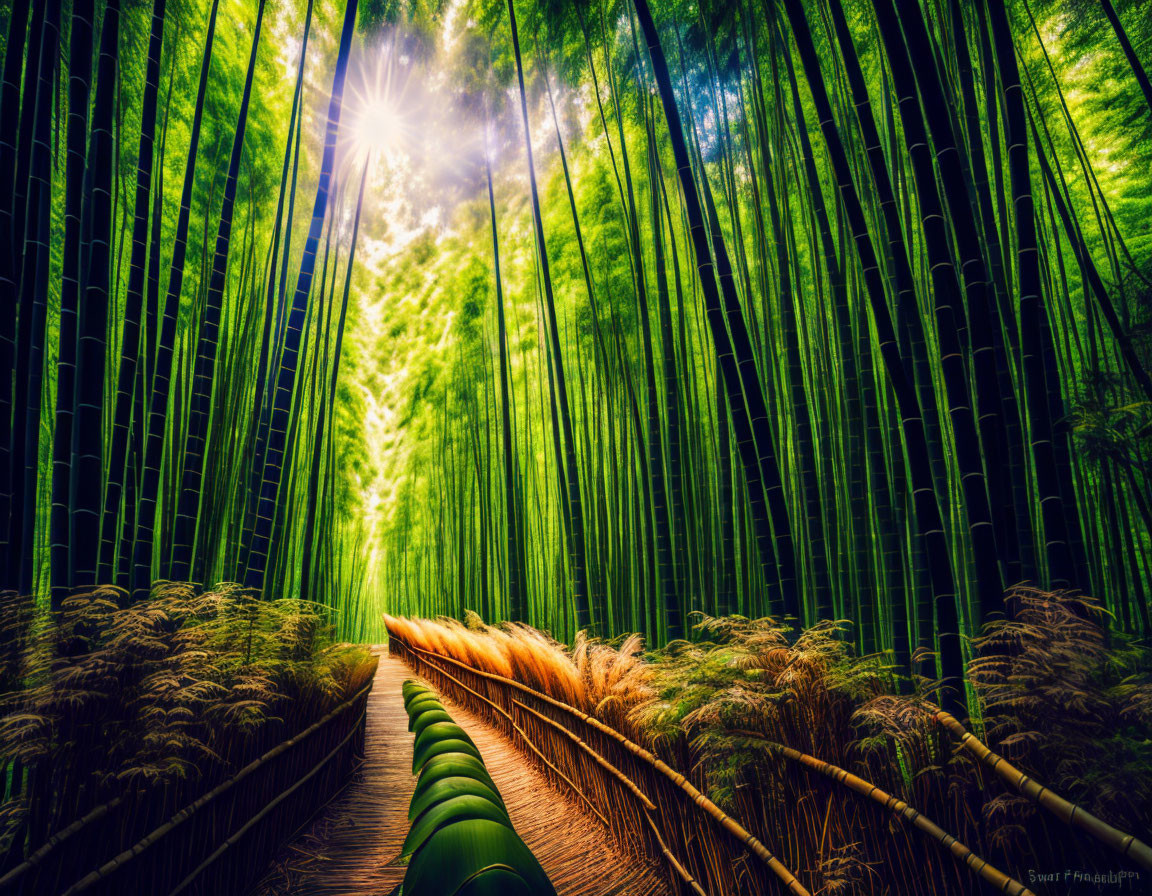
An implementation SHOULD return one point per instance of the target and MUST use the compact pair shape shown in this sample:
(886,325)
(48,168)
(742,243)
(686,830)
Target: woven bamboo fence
(218,842)
(651,808)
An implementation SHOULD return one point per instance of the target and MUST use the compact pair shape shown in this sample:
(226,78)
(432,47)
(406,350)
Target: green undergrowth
(746,677)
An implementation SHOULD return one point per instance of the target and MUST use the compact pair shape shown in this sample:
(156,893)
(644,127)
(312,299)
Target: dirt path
(350,848)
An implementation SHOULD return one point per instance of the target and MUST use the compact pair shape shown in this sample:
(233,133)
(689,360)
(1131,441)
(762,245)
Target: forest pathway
(349,850)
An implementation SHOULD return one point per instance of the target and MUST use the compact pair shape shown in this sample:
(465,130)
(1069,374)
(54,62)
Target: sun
(379,123)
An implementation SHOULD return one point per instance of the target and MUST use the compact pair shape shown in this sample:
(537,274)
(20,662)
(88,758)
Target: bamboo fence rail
(650,808)
(219,842)
(992,875)
(1125,844)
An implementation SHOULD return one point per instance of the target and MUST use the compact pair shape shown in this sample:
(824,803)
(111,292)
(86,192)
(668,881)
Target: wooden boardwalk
(351,848)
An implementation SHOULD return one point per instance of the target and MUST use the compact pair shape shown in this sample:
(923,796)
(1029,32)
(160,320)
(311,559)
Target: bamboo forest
(580,447)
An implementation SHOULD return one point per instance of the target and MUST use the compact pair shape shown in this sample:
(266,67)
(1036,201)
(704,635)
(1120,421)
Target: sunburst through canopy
(379,124)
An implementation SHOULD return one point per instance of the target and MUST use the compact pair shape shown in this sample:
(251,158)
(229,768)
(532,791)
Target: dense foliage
(583,314)
(807,363)
(170,371)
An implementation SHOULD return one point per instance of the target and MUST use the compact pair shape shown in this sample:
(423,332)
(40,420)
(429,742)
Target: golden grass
(513,651)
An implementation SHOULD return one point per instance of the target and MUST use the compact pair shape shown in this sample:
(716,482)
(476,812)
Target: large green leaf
(423,710)
(421,702)
(496,880)
(452,857)
(440,747)
(427,704)
(422,720)
(452,765)
(465,807)
(448,789)
(439,731)
(411,696)
(412,686)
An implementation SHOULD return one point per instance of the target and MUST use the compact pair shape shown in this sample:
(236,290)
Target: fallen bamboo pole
(1068,812)
(672,860)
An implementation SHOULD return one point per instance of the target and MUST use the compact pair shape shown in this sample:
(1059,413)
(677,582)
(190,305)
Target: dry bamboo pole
(192,808)
(685,875)
(272,804)
(997,878)
(713,811)
(1125,844)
